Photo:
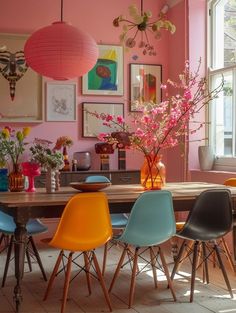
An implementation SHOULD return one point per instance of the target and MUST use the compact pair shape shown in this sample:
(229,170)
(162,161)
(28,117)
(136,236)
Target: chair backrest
(83,225)
(211,214)
(97,179)
(230,182)
(151,220)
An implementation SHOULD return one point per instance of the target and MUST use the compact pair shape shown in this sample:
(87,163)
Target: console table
(117,177)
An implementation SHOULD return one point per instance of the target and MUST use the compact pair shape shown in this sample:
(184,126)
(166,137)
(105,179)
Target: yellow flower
(26,131)
(19,136)
(6,133)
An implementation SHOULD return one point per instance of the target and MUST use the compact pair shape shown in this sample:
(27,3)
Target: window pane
(223,116)
(224,36)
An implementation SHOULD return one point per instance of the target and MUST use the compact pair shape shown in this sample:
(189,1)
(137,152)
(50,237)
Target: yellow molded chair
(82,228)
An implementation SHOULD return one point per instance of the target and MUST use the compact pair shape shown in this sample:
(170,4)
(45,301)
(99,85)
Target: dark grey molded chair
(211,218)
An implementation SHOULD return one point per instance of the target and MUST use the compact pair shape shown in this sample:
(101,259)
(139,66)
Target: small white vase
(206,158)
(50,182)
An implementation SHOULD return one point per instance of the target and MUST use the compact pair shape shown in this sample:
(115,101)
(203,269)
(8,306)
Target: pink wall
(96,18)
(177,54)
(197,50)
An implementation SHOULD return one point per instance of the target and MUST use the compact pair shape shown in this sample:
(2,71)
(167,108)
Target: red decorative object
(61,51)
(30,170)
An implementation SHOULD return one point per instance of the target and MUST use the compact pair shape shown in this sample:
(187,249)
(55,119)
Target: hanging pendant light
(61,51)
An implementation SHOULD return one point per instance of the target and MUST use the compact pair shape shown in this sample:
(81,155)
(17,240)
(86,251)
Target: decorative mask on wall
(12,67)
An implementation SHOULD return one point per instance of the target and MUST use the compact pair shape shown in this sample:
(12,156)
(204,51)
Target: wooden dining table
(24,205)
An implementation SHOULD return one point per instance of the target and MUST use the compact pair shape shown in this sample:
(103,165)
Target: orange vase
(153,173)
(16,179)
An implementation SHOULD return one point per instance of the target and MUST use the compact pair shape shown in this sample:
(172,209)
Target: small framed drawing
(61,101)
(145,84)
(106,77)
(93,126)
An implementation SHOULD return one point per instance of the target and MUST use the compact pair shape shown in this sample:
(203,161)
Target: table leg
(20,242)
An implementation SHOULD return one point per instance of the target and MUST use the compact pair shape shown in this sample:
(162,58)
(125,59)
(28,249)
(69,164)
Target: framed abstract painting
(145,85)
(106,77)
(93,126)
(61,101)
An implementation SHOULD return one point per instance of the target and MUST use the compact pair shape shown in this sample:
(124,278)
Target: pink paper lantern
(61,51)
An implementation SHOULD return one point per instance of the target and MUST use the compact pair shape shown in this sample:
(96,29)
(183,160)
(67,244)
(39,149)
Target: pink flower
(120,119)
(163,125)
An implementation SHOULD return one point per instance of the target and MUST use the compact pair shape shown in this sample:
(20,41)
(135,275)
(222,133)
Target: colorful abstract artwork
(145,85)
(106,77)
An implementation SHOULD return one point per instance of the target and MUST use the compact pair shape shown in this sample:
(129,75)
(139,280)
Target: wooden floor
(208,298)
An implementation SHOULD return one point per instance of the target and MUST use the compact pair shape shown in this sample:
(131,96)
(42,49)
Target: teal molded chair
(7,228)
(150,223)
(118,221)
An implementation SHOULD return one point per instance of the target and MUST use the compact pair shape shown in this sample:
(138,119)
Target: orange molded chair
(82,228)
(230,182)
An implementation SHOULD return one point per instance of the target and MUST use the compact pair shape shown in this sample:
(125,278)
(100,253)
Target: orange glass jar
(153,172)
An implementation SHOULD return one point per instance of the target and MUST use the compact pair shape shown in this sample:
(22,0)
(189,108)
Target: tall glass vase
(16,179)
(153,172)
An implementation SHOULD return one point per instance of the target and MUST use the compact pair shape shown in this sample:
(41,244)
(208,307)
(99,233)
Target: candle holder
(30,170)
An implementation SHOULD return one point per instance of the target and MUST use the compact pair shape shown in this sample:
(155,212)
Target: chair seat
(8,226)
(118,220)
(199,234)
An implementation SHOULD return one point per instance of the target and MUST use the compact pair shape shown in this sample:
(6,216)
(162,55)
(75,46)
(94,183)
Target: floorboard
(208,298)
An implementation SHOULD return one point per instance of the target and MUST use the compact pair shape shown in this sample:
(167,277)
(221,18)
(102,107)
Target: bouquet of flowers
(12,145)
(163,125)
(46,157)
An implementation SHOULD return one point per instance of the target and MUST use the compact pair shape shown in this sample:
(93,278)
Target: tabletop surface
(115,194)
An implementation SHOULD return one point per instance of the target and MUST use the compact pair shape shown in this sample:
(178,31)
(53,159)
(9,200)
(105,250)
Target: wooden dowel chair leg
(194,267)
(87,267)
(206,272)
(165,267)
(223,270)
(118,268)
(228,255)
(152,258)
(101,280)
(66,282)
(53,275)
(36,253)
(104,258)
(133,278)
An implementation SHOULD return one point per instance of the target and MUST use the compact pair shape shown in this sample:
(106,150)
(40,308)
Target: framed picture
(145,84)
(106,77)
(93,126)
(20,86)
(61,101)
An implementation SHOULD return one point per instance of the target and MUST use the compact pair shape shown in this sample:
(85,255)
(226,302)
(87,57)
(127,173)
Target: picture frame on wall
(91,125)
(20,86)
(60,101)
(145,85)
(106,77)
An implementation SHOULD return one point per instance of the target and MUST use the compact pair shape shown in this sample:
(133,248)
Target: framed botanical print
(106,77)
(92,126)
(145,84)
(61,101)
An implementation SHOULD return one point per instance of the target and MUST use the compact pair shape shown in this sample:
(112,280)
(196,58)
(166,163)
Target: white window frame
(222,163)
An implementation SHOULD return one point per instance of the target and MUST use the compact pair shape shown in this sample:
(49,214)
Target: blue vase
(3,179)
